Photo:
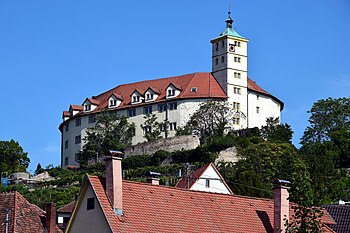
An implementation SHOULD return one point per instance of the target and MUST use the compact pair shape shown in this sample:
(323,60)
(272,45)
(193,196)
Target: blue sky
(57,53)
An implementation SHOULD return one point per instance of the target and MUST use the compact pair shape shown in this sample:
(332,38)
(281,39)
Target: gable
(88,220)
(211,181)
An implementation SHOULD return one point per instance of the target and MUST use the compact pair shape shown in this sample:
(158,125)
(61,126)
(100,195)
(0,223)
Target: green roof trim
(230,32)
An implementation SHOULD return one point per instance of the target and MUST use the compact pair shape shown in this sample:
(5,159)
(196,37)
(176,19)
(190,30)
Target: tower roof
(229,31)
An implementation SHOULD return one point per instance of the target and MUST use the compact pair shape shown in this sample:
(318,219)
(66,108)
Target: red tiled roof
(67,208)
(207,87)
(66,114)
(93,101)
(23,216)
(153,208)
(119,97)
(76,107)
(155,90)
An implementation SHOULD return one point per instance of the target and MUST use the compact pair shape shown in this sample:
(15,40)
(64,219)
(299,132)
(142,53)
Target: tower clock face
(231,47)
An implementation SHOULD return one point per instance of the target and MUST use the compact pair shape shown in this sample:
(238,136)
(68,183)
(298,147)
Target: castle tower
(229,67)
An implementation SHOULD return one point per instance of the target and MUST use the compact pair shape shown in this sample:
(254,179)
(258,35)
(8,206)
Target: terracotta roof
(119,97)
(67,208)
(154,208)
(207,87)
(23,216)
(66,114)
(155,90)
(341,215)
(76,107)
(93,101)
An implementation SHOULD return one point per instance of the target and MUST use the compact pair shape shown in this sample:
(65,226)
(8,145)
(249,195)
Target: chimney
(50,218)
(114,188)
(281,205)
(153,178)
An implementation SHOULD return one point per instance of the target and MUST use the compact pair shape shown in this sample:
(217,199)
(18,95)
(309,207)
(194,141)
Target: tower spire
(229,21)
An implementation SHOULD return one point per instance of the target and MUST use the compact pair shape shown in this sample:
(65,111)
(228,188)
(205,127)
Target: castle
(175,99)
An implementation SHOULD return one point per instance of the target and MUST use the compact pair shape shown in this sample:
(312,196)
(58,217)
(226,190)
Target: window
(87,107)
(147,110)
(78,139)
(236,106)
(194,89)
(216,61)
(237,90)
(207,183)
(161,107)
(172,125)
(77,122)
(257,97)
(90,203)
(66,161)
(216,46)
(77,157)
(237,59)
(222,44)
(149,96)
(173,106)
(112,102)
(222,59)
(171,92)
(238,43)
(237,75)
(67,127)
(131,112)
(147,129)
(236,120)
(136,99)
(92,119)
(66,144)
(257,110)
(162,127)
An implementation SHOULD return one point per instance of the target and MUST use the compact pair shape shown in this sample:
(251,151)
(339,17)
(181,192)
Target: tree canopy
(111,132)
(211,119)
(12,157)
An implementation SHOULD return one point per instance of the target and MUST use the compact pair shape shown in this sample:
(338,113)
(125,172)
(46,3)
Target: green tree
(276,132)
(111,132)
(38,169)
(151,127)
(330,122)
(211,119)
(12,157)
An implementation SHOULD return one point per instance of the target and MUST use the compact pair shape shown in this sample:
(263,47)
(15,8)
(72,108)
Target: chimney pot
(153,178)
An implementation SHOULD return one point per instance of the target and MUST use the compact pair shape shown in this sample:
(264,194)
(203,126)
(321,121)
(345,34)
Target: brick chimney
(50,224)
(281,205)
(153,178)
(114,188)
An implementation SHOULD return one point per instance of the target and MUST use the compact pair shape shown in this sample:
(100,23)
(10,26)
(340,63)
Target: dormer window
(87,107)
(90,104)
(171,92)
(136,99)
(112,103)
(149,96)
(194,89)
(114,100)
